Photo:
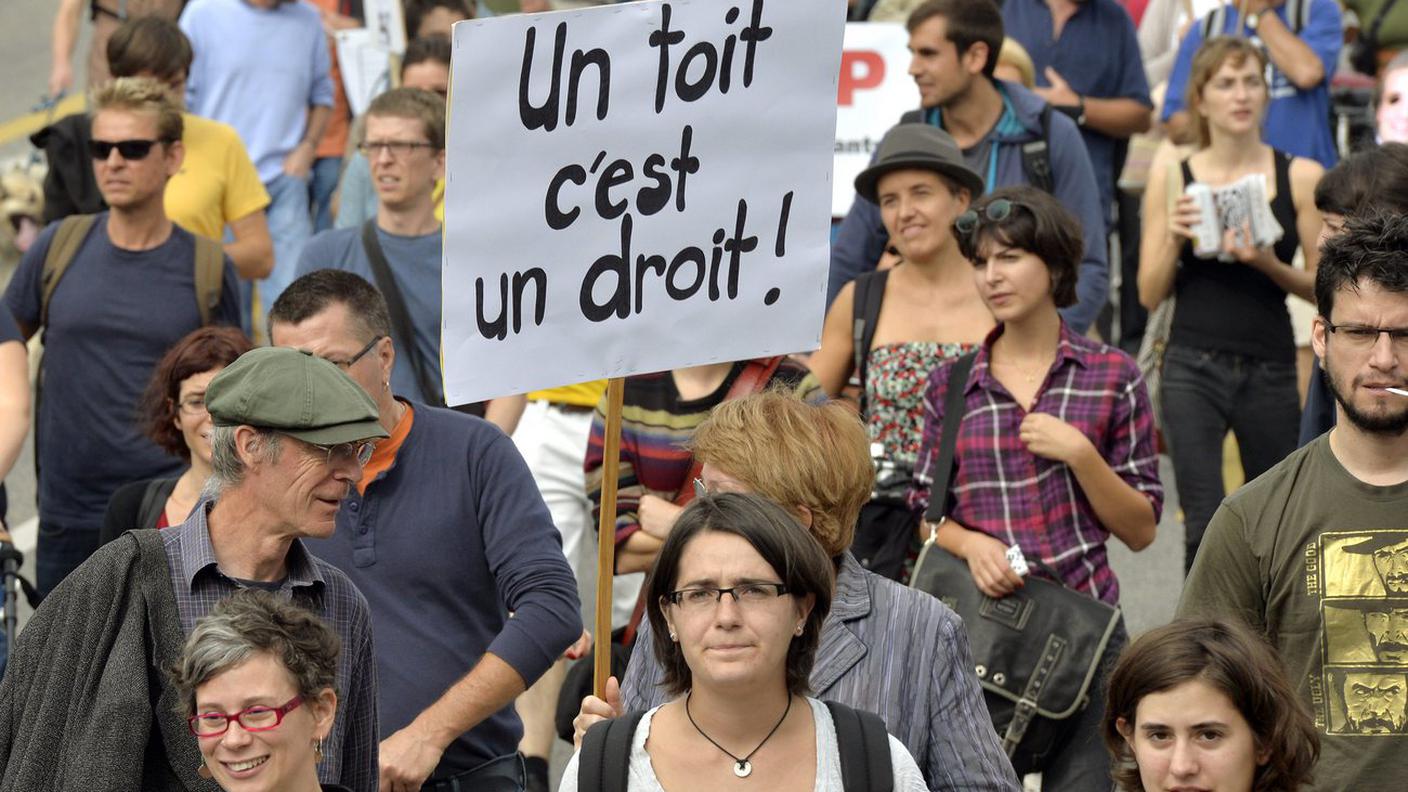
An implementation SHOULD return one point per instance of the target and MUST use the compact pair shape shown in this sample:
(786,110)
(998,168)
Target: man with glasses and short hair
(1289,551)
(405,145)
(128,294)
(446,533)
(291,434)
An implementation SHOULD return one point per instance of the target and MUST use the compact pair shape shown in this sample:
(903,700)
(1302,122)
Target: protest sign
(636,187)
(365,65)
(387,22)
(874,90)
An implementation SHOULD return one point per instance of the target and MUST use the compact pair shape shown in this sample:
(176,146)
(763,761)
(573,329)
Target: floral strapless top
(896,377)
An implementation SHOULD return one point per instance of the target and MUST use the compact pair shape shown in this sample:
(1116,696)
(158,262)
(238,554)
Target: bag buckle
(1026,708)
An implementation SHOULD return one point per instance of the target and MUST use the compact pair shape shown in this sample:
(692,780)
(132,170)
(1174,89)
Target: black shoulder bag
(1036,650)
(401,329)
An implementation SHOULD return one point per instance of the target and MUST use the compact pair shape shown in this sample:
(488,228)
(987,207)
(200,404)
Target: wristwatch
(1076,112)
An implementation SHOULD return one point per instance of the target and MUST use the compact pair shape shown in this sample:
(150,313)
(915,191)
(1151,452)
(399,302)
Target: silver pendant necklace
(742,767)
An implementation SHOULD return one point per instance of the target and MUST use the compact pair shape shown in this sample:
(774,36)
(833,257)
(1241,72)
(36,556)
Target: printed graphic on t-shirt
(1361,578)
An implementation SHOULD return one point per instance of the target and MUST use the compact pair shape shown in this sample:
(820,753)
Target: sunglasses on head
(129,149)
(996,211)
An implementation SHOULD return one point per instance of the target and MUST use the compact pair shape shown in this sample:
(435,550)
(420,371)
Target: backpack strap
(865,314)
(948,438)
(604,765)
(401,329)
(1036,156)
(209,277)
(1213,22)
(864,745)
(68,238)
(154,497)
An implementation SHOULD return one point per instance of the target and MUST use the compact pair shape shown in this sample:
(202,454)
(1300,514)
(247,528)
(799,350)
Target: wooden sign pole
(606,536)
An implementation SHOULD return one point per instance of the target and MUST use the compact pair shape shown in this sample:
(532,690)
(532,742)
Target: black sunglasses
(129,149)
(996,211)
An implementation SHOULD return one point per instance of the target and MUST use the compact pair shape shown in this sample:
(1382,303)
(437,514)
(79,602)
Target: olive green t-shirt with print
(1394,31)
(1318,561)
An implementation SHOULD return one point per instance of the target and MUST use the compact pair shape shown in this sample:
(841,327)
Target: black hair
(966,22)
(1375,178)
(426,48)
(1372,249)
(1038,224)
(788,547)
(315,292)
(417,10)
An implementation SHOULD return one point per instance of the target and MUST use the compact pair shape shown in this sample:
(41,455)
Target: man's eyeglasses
(192,405)
(1363,337)
(398,148)
(352,361)
(132,150)
(745,594)
(996,211)
(342,453)
(253,719)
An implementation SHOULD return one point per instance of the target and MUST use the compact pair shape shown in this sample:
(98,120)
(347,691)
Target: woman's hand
(657,515)
(987,561)
(1238,243)
(1186,214)
(1051,438)
(594,710)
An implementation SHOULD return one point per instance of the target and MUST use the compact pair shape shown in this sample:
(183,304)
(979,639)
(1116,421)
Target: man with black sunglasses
(112,292)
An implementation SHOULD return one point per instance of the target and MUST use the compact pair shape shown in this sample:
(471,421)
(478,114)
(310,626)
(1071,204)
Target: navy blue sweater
(444,545)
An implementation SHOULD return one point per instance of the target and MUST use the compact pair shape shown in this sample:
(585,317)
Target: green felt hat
(295,393)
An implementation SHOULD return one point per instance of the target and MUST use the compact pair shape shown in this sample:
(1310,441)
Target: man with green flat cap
(86,703)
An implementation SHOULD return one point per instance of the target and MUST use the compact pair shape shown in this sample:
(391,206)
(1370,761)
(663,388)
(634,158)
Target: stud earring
(673,637)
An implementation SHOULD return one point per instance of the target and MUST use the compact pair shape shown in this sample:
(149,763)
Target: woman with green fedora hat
(889,328)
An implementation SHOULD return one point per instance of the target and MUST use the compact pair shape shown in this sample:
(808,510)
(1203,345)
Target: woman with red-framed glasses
(256,680)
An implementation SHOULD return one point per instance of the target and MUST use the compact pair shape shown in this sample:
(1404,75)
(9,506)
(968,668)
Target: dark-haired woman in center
(1055,451)
(737,599)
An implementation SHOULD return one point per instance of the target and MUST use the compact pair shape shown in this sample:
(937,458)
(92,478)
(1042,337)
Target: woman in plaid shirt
(1056,449)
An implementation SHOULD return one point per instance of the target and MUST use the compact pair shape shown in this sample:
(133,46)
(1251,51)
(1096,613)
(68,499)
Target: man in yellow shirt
(217,187)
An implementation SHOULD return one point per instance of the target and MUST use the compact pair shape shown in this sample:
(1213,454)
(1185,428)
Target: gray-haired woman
(256,682)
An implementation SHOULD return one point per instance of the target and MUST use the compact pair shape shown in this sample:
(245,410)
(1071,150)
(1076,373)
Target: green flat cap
(293,392)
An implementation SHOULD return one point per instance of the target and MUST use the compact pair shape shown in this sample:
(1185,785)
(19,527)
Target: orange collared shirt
(385,454)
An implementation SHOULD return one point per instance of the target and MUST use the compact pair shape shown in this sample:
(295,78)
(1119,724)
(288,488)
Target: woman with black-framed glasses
(256,682)
(736,604)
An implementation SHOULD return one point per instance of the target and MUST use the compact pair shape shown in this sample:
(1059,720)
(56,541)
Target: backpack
(1297,11)
(865,312)
(1036,154)
(864,744)
(73,231)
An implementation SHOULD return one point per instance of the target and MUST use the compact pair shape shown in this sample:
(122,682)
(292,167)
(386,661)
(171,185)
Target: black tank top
(1230,307)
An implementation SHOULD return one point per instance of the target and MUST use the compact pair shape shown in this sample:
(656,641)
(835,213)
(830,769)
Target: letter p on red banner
(860,69)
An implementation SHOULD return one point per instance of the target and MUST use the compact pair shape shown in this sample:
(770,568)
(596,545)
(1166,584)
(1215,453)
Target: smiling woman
(256,682)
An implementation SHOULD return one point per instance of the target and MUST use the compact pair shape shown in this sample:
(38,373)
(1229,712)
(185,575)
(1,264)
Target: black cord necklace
(741,766)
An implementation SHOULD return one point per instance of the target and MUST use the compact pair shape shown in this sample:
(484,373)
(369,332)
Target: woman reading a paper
(1220,232)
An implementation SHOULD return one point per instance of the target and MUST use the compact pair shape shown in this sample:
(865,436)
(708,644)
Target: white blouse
(828,760)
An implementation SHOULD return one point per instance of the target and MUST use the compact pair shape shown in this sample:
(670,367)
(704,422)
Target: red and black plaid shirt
(1005,491)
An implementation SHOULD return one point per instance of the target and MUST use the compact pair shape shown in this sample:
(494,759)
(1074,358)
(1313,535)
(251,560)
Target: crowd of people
(270,556)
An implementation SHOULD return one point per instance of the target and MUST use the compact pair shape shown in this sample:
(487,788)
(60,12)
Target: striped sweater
(655,425)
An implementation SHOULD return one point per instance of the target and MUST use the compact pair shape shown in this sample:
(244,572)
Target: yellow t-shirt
(583,394)
(217,182)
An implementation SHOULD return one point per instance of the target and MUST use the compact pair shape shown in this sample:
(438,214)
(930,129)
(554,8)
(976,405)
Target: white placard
(365,66)
(711,178)
(874,90)
(387,22)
